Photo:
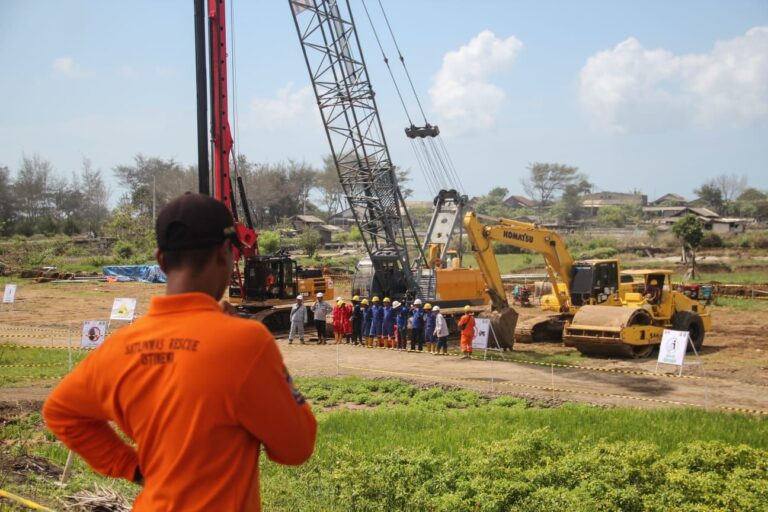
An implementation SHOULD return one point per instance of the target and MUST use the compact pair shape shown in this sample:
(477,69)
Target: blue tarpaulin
(143,273)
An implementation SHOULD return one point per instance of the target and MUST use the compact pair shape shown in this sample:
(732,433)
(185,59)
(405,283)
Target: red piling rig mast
(221,135)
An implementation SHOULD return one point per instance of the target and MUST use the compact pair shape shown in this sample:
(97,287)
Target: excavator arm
(482,230)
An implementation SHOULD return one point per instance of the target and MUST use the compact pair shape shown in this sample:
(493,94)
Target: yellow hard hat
(386,299)
(356,298)
(365,301)
(654,282)
(340,303)
(375,299)
(427,306)
(466,308)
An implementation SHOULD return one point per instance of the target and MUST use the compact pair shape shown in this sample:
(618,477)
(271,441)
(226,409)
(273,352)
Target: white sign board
(94,332)
(673,347)
(10,294)
(482,329)
(123,309)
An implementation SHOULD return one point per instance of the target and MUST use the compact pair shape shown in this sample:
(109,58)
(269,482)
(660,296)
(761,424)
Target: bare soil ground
(733,372)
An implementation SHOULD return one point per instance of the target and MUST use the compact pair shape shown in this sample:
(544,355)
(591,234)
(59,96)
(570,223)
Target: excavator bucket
(503,325)
(609,331)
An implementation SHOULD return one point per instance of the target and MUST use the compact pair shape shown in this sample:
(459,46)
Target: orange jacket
(467,326)
(198,392)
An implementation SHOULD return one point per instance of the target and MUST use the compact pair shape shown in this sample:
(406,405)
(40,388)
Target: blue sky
(656,96)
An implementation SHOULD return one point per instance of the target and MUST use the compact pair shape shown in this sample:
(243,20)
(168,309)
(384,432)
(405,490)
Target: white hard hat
(396,304)
(319,295)
(417,302)
(436,308)
(299,297)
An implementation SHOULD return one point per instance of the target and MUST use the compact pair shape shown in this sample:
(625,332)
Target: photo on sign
(482,329)
(123,309)
(93,334)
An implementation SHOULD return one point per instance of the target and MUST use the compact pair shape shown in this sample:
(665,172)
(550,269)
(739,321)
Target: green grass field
(390,445)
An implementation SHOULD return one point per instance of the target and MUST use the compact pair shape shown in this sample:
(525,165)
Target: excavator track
(542,328)
(601,331)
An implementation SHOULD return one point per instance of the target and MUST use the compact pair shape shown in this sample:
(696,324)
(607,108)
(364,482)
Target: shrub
(124,251)
(599,253)
(309,241)
(712,240)
(269,241)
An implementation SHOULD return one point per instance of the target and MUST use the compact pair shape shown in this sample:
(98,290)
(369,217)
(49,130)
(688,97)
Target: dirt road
(600,385)
(734,359)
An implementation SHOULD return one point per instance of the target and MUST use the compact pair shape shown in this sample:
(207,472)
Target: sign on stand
(123,309)
(9,295)
(93,334)
(673,346)
(482,329)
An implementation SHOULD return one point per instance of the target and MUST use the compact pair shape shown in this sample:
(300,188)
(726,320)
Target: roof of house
(669,197)
(528,203)
(309,219)
(330,227)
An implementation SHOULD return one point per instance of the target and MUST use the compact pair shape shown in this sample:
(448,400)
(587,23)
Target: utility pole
(154,198)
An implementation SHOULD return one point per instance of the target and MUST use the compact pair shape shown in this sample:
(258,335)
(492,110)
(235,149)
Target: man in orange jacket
(197,390)
(467,326)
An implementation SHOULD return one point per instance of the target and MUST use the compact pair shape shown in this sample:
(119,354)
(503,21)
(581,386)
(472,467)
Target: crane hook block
(427,130)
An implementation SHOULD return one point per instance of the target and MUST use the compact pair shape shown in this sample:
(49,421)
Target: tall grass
(408,447)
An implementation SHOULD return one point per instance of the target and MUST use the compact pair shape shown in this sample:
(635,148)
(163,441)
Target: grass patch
(742,304)
(46,364)
(508,263)
(733,277)
(438,449)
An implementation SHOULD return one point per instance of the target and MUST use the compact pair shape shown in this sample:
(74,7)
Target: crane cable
(433,157)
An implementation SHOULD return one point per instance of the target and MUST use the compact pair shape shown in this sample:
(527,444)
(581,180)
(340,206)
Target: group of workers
(382,323)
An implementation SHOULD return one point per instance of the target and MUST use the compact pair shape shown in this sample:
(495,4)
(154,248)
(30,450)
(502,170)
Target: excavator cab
(593,282)
(270,277)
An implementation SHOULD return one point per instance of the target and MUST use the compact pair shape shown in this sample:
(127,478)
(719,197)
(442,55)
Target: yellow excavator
(593,307)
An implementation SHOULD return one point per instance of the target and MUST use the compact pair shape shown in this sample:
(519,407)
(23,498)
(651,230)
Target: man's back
(199,392)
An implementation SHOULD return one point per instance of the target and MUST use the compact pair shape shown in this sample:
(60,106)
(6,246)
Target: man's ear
(160,260)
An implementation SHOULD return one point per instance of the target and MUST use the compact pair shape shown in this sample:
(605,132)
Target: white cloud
(631,88)
(127,71)
(462,93)
(66,66)
(288,104)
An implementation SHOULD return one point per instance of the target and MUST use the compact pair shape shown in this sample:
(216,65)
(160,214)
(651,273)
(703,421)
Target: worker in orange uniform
(467,327)
(197,389)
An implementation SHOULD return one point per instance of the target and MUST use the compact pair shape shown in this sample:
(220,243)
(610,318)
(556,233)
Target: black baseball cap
(194,221)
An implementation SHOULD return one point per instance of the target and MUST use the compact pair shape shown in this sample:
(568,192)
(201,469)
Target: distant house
(593,202)
(670,199)
(327,231)
(345,218)
(710,220)
(519,202)
(302,222)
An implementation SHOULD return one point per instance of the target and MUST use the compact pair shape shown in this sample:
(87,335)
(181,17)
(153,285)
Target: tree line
(37,200)
(558,191)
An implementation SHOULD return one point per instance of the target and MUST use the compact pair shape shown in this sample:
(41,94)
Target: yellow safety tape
(23,501)
(35,377)
(31,336)
(555,390)
(13,345)
(32,365)
(32,329)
